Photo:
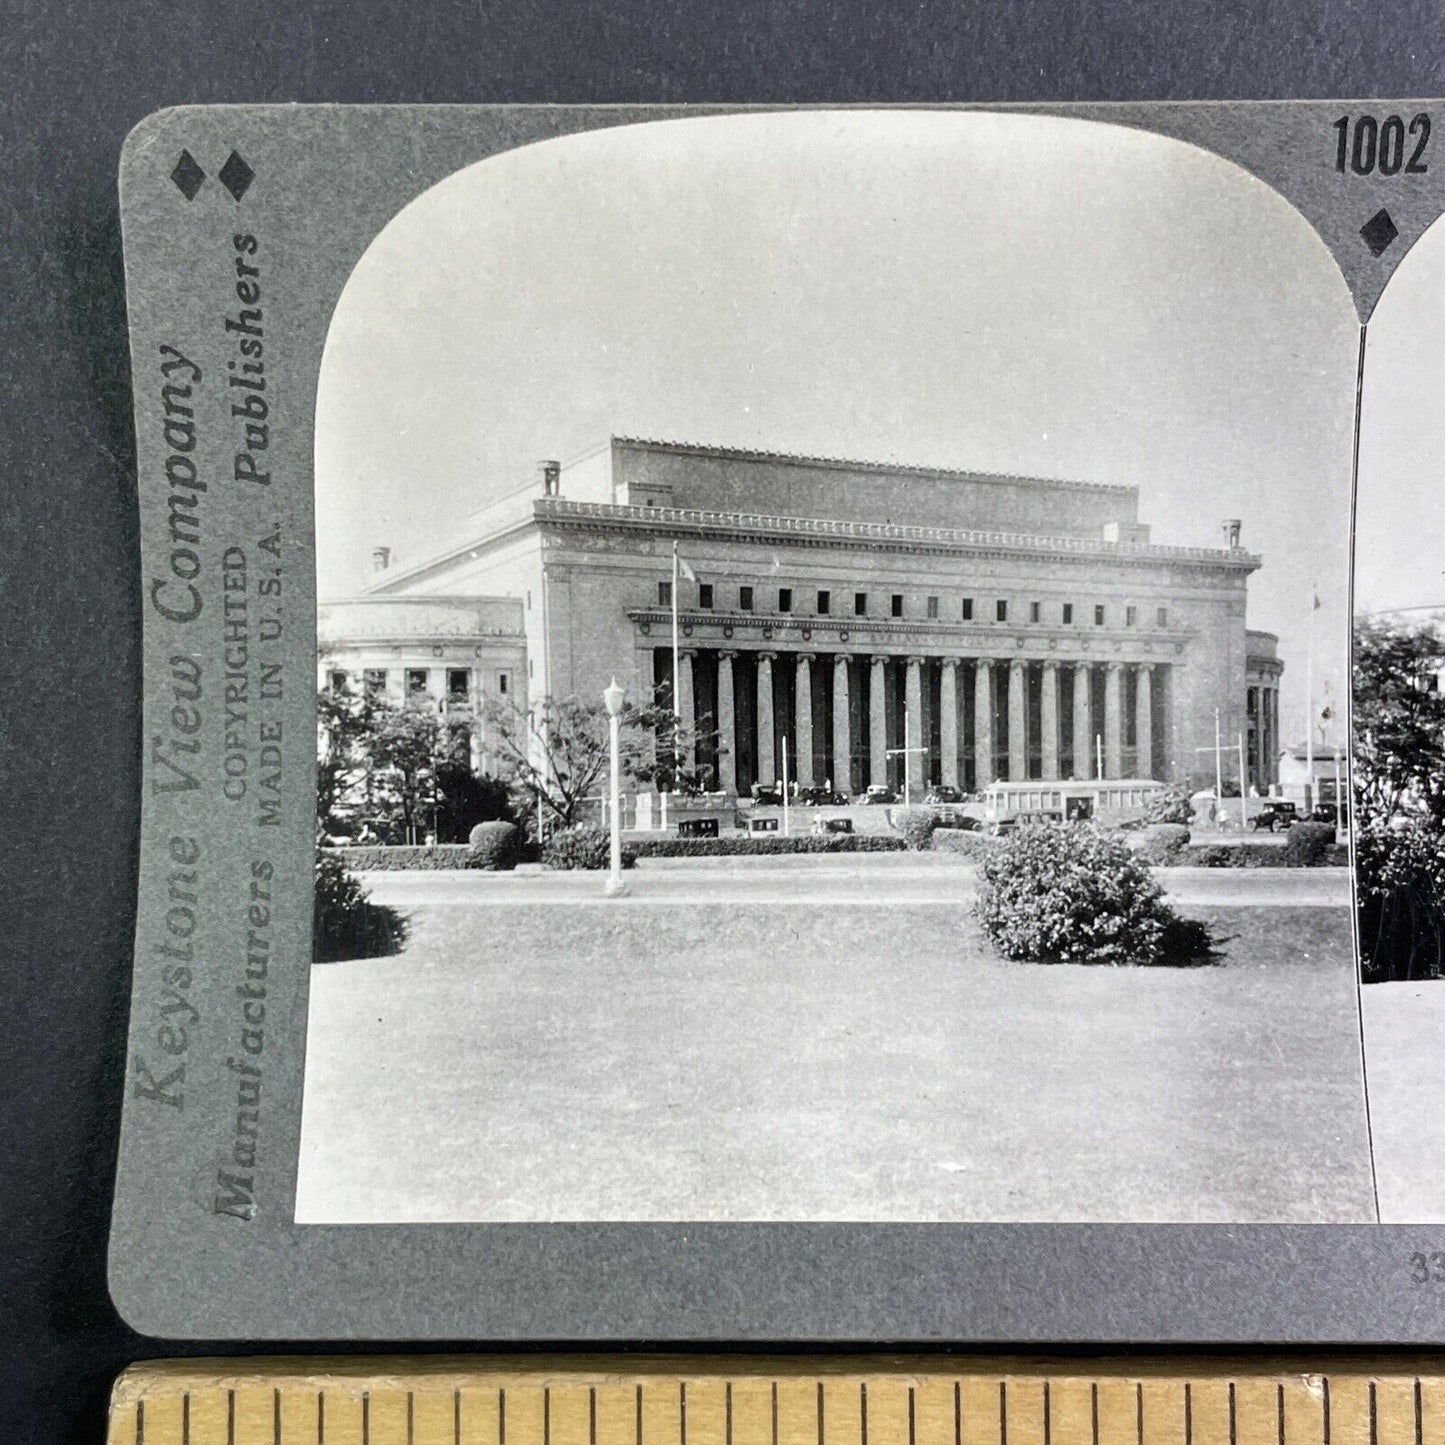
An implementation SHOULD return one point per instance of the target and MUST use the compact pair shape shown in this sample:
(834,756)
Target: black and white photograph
(833,689)
(1399,734)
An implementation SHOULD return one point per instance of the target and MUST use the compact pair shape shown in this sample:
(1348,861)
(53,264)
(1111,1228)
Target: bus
(1007,805)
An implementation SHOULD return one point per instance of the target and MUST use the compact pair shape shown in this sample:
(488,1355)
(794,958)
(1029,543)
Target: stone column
(1018,756)
(1049,720)
(1113,720)
(913,732)
(803,719)
(1083,722)
(983,722)
(686,709)
(766,772)
(948,723)
(877,726)
(842,728)
(1144,722)
(727,728)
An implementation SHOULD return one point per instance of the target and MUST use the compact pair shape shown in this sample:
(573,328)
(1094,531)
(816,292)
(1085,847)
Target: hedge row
(392,858)
(765,843)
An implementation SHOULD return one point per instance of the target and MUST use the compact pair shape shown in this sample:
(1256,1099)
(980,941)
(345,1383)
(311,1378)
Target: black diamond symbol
(1379,232)
(188,176)
(236,175)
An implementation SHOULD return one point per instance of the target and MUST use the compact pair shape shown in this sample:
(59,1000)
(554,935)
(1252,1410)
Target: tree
(1399,799)
(559,753)
(345,721)
(409,747)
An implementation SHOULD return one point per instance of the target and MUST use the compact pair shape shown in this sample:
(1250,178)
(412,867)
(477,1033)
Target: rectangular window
(933,607)
(785,599)
(704,596)
(338,682)
(897,604)
(459,683)
(375,680)
(1162,617)
(415,680)
(502,682)
(1000,610)
(1068,613)
(1099,614)
(825,601)
(1131,616)
(968,609)
(1036,611)
(860,604)
(745,599)
(664,594)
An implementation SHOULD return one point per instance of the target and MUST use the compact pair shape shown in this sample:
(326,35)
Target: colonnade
(855,719)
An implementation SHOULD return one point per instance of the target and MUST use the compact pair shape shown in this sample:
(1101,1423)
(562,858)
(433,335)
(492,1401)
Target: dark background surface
(74,77)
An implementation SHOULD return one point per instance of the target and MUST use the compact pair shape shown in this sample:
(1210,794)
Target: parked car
(1275,814)
(768,794)
(943,793)
(1331,813)
(821,798)
(876,793)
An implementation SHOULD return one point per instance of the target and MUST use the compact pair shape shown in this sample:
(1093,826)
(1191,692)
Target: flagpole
(1310,705)
(676,678)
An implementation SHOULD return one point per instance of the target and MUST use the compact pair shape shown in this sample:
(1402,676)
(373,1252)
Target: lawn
(587,1061)
(1404,1026)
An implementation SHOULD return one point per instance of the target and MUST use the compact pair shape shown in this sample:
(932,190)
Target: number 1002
(1365,144)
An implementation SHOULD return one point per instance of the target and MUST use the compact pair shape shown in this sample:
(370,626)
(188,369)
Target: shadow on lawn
(345,923)
(1190,943)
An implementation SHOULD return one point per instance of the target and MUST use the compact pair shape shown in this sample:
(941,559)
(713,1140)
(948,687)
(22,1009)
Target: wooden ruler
(801,1401)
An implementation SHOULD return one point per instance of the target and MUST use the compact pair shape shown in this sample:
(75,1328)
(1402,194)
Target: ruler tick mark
(775,1412)
(276,1417)
(1325,1392)
(1139,1412)
(186,1418)
(1094,1413)
(728,1414)
(957,1413)
(501,1415)
(863,1411)
(230,1417)
(366,1417)
(1233,1418)
(410,1418)
(320,1418)
(1048,1423)
(1419,1415)
(546,1415)
(1003,1412)
(1374,1417)
(1279,1401)
(140,1422)
(912,1431)
(591,1417)
(456,1417)
(682,1412)
(820,1414)
(1188,1414)
(639,1415)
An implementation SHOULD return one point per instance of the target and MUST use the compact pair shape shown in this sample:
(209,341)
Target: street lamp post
(613,697)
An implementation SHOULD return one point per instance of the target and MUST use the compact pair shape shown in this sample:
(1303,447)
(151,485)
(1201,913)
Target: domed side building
(855,618)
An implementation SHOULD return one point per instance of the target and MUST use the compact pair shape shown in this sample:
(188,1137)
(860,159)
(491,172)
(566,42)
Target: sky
(1399,558)
(983,292)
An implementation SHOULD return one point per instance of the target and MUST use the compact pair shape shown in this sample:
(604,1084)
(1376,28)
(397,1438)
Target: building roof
(805,459)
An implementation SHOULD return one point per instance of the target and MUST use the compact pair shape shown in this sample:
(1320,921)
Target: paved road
(882,881)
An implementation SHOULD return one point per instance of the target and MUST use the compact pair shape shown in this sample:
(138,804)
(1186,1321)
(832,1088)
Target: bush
(968,845)
(494,846)
(764,844)
(345,923)
(1307,845)
(1067,893)
(915,824)
(1171,806)
(583,846)
(1160,844)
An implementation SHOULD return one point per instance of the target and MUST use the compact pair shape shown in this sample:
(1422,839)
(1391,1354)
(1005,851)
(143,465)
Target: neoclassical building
(862,619)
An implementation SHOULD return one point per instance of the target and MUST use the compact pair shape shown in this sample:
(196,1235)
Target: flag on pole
(685,569)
